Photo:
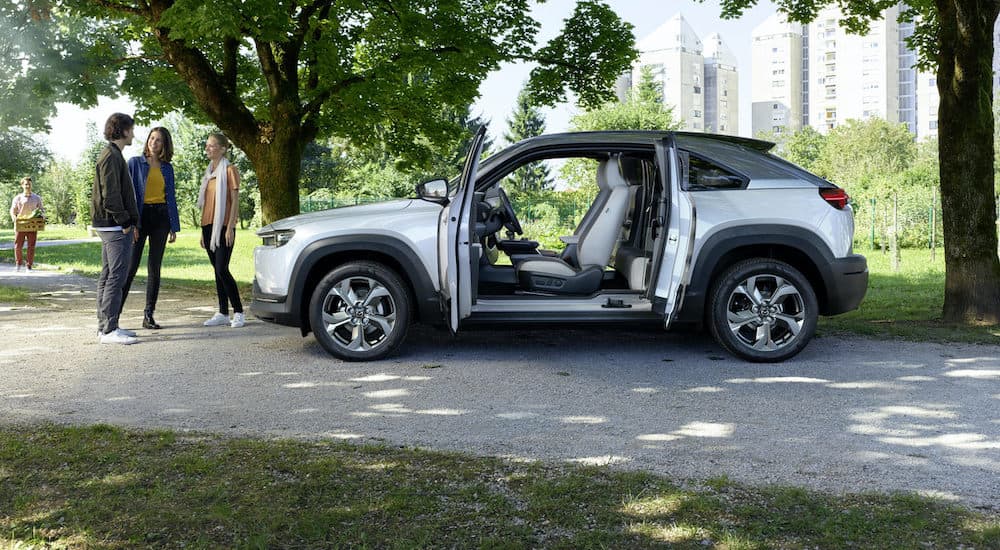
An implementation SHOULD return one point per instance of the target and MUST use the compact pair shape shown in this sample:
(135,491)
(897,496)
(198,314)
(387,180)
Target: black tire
(352,324)
(747,319)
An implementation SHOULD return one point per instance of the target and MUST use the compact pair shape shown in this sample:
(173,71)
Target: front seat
(596,239)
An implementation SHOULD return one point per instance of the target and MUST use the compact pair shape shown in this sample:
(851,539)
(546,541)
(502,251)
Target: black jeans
(225,284)
(155,225)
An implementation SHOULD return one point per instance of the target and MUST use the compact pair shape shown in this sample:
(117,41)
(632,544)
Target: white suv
(686,228)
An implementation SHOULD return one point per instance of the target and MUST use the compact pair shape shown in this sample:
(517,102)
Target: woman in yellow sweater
(155,195)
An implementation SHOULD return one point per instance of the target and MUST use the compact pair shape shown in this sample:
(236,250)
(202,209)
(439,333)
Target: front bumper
(846,285)
(273,308)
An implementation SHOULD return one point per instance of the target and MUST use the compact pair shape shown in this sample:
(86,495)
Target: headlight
(276,237)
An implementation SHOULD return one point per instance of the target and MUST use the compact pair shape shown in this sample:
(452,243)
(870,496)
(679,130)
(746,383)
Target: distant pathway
(10,245)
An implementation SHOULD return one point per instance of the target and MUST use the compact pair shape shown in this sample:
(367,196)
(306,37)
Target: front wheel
(360,311)
(763,310)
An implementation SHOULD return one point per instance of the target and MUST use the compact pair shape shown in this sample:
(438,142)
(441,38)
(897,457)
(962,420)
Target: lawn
(105,487)
(906,304)
(185,263)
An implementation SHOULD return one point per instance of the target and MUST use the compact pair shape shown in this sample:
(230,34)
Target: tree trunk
(278,164)
(965,128)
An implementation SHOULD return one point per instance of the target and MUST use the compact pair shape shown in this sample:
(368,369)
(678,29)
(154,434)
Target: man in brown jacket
(114,215)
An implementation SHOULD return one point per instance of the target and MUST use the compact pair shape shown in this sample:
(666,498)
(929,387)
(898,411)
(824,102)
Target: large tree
(275,75)
(955,39)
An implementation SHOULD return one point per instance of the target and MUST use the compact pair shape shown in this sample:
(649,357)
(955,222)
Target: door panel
(675,238)
(455,239)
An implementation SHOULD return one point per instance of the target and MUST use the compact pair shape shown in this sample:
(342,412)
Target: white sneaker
(19,267)
(238,320)
(127,332)
(118,337)
(217,320)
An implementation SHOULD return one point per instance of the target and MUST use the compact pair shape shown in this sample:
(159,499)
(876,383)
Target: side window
(701,174)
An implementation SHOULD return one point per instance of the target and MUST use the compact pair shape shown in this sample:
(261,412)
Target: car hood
(340,214)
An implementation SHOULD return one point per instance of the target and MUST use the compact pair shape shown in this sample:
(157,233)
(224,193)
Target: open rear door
(674,225)
(455,239)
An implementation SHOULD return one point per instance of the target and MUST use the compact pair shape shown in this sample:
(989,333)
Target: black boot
(148,322)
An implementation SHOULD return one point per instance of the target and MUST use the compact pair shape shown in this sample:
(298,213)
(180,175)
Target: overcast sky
(499,91)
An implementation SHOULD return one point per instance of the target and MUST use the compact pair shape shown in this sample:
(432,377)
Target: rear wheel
(763,310)
(360,311)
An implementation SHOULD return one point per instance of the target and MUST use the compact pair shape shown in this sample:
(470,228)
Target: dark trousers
(154,225)
(225,284)
(115,250)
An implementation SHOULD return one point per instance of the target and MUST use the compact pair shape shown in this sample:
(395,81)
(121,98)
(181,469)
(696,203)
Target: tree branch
(230,50)
(219,102)
(124,8)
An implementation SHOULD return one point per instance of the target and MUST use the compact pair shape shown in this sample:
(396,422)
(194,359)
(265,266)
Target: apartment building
(851,76)
(674,53)
(776,93)
(722,114)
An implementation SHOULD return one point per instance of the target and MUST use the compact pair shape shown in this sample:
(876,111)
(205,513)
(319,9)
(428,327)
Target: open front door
(674,225)
(455,240)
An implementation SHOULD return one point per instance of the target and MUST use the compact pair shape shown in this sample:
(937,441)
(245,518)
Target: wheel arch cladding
(802,249)
(324,255)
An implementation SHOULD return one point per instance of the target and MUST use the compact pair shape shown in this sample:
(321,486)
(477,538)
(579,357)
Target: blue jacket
(138,168)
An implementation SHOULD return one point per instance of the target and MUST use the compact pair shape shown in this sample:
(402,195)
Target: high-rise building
(722,112)
(700,81)
(777,70)
(907,79)
(674,53)
(851,76)
(928,99)
(843,76)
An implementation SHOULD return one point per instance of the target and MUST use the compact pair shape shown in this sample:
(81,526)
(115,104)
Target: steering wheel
(510,218)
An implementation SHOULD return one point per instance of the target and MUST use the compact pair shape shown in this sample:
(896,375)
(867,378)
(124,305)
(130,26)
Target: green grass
(185,263)
(14,295)
(105,487)
(906,304)
(53,232)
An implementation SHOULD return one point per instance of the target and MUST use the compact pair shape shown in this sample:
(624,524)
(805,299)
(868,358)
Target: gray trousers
(116,251)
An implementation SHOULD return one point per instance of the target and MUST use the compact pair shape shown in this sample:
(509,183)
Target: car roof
(641,137)
(747,156)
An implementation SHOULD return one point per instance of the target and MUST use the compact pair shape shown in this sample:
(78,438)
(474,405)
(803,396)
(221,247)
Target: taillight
(836,198)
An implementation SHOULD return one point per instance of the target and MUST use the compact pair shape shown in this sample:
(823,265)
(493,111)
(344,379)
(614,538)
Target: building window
(696,113)
(775,106)
(932,81)
(831,92)
(776,129)
(933,125)
(831,56)
(697,89)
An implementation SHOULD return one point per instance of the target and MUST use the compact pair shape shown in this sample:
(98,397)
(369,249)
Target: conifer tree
(525,122)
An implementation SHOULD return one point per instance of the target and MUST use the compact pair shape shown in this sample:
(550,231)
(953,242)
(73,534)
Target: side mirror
(434,191)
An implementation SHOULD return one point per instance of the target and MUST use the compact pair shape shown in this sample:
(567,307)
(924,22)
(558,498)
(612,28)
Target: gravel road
(848,414)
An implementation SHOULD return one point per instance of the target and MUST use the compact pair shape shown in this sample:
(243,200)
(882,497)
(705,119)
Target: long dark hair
(167,152)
